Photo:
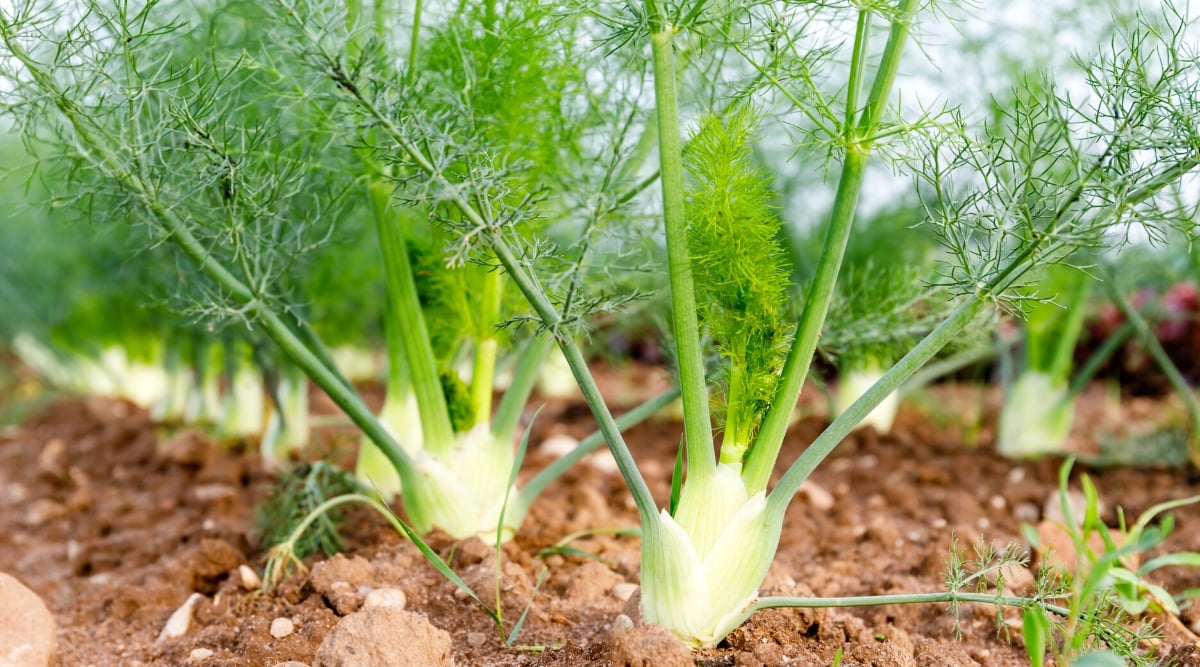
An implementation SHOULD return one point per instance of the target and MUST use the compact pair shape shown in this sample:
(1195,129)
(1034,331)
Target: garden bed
(115,522)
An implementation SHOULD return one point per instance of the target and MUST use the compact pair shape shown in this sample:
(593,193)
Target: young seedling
(1098,578)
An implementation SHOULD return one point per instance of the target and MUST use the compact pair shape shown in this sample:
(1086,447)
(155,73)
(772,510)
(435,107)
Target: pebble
(282,627)
(385,637)
(603,462)
(250,579)
(558,445)
(386,597)
(476,638)
(179,622)
(624,590)
(816,496)
(27,633)
(1052,508)
(290,663)
(1027,512)
(200,654)
(1016,475)
(997,502)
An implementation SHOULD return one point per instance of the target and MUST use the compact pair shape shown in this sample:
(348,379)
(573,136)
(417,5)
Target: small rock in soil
(290,663)
(623,591)
(179,622)
(385,637)
(341,580)
(476,638)
(250,579)
(1027,512)
(816,496)
(646,646)
(558,446)
(200,654)
(386,597)
(282,627)
(26,626)
(603,462)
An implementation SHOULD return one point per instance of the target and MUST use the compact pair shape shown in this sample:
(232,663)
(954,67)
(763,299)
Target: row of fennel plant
(1008,200)
(186,124)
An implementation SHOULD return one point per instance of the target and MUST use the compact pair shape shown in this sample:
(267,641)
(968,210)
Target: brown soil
(115,523)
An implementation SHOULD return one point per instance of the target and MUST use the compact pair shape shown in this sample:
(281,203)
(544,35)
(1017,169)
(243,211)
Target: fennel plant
(1016,196)
(184,124)
(1006,200)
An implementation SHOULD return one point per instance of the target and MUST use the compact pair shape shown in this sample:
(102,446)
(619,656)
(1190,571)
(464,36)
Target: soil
(116,521)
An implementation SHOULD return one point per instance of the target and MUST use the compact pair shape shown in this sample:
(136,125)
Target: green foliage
(743,282)
(1105,598)
(295,495)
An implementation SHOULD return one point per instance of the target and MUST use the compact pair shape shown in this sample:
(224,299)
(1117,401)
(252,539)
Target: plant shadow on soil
(115,523)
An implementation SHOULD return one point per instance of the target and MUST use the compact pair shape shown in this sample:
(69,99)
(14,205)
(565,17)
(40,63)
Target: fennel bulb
(1036,417)
(701,568)
(855,383)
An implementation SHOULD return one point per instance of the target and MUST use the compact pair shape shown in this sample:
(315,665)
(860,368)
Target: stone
(27,633)
(648,645)
(624,590)
(558,446)
(816,495)
(343,582)
(200,654)
(282,627)
(476,638)
(181,619)
(385,637)
(250,579)
(386,597)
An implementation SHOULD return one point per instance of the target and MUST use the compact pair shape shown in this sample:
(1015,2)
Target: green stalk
(610,430)
(414,42)
(402,293)
(484,369)
(1155,348)
(945,333)
(1091,366)
(761,459)
(398,378)
(512,402)
(952,364)
(732,447)
(902,598)
(697,423)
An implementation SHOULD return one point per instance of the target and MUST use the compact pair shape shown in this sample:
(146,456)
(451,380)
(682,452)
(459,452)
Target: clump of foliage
(294,496)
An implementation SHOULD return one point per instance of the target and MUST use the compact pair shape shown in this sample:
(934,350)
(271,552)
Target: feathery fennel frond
(742,277)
